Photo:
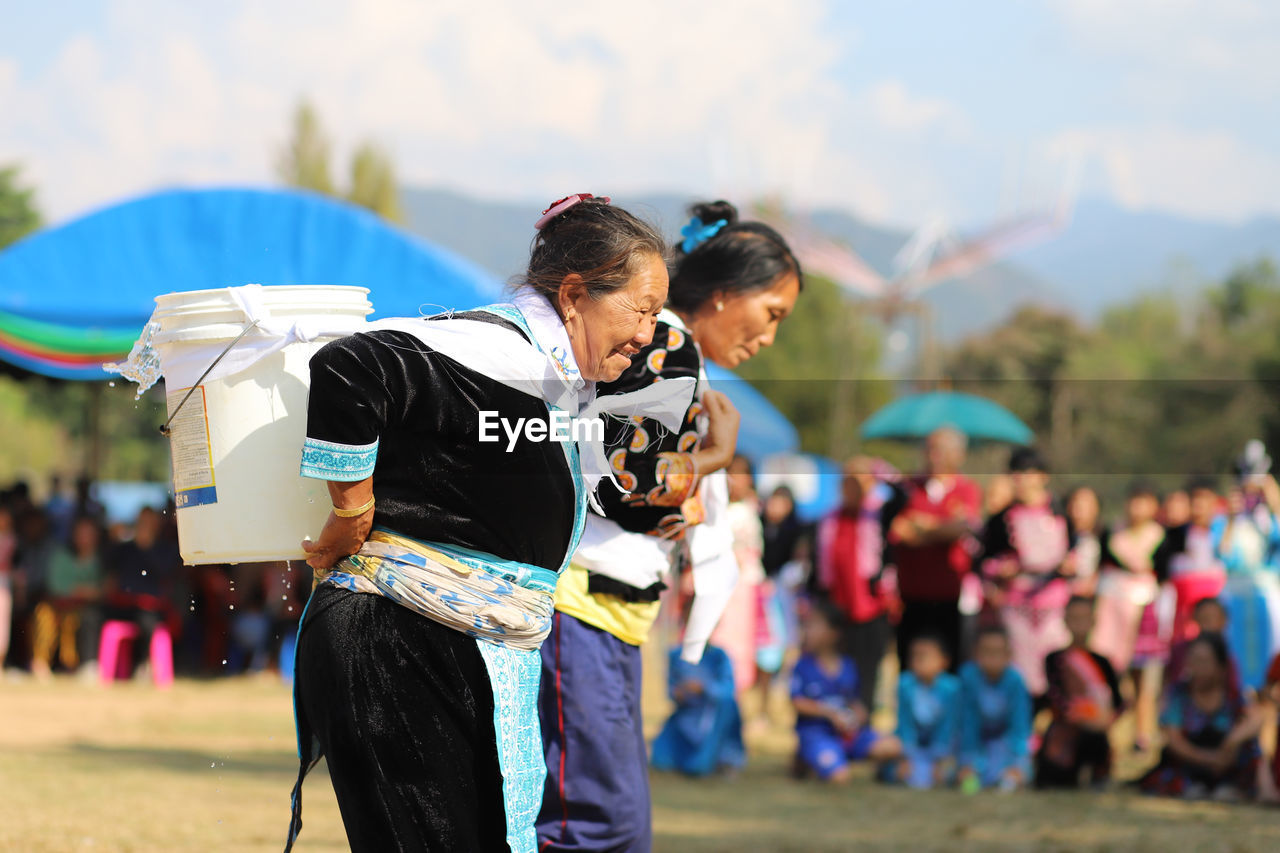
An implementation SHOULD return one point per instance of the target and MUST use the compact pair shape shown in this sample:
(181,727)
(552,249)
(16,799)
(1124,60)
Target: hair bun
(714,211)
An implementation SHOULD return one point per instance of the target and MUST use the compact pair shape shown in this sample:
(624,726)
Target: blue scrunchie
(695,233)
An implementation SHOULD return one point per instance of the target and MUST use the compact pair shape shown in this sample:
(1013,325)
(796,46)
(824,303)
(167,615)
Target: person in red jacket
(850,561)
(932,543)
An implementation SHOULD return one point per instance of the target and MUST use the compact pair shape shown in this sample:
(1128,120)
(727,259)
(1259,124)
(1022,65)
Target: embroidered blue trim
(513,676)
(328,460)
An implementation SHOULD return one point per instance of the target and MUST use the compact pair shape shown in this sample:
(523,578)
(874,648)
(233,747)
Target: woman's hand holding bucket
(342,537)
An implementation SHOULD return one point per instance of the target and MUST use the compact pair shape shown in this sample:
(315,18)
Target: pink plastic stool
(112,664)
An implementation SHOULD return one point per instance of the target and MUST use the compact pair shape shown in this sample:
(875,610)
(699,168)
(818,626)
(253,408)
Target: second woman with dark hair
(732,284)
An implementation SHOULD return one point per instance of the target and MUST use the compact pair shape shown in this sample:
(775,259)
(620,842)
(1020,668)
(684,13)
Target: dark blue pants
(597,794)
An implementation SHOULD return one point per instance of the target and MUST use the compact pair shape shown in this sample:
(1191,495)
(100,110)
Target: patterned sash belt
(483,596)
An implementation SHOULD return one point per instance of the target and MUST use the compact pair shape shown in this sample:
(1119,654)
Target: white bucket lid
(210,315)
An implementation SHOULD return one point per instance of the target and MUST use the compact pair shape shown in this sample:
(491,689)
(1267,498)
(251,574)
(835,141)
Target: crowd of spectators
(67,567)
(1005,634)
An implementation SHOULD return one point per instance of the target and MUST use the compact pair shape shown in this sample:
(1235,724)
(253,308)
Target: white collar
(671,318)
(548,328)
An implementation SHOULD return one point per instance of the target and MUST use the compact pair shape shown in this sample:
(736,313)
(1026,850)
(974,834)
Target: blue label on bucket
(196,497)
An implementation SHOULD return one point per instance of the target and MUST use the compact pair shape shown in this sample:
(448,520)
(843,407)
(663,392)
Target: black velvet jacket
(434,479)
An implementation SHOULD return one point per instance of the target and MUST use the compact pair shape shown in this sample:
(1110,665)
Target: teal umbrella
(917,415)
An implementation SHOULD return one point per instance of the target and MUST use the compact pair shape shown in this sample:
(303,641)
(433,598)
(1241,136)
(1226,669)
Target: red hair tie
(564,204)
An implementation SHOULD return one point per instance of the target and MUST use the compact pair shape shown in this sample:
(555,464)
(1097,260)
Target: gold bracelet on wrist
(352,513)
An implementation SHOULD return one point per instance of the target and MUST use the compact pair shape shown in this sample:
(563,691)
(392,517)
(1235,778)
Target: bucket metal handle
(164,428)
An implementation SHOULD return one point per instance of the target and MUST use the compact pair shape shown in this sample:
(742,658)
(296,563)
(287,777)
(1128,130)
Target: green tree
(1158,388)
(373,183)
(816,370)
(1020,363)
(18,213)
(304,162)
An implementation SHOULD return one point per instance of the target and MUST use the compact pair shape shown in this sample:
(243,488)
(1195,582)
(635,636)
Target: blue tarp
(105,269)
(763,430)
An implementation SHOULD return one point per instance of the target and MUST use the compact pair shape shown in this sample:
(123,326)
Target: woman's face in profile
(747,323)
(607,332)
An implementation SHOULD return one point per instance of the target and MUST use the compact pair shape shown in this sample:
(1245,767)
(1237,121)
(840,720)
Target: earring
(719,306)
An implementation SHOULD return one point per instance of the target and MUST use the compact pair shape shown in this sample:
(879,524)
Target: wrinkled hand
(341,537)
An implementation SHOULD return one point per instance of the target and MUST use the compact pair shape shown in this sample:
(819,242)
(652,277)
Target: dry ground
(209,765)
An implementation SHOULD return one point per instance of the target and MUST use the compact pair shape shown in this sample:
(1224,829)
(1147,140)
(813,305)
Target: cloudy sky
(896,109)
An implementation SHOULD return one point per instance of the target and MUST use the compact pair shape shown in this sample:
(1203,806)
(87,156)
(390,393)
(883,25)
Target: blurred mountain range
(1107,254)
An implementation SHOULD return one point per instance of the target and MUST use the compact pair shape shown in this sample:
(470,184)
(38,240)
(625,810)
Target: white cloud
(534,98)
(1198,173)
(897,109)
(1180,49)
(517,98)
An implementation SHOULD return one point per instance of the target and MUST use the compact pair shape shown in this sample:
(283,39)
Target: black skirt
(402,709)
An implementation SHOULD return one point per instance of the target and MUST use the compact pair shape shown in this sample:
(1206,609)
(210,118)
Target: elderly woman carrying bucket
(459,493)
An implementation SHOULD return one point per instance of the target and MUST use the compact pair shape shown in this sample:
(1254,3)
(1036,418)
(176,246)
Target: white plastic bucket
(236,442)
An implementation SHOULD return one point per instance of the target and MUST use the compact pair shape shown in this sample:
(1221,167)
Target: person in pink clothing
(1023,562)
(1127,590)
(737,630)
(1188,559)
(1128,580)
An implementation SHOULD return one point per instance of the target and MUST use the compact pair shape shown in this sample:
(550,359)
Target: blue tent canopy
(105,269)
(763,430)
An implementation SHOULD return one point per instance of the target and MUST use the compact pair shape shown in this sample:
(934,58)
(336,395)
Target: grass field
(209,766)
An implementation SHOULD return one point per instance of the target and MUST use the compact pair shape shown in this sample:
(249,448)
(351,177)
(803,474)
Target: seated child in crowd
(1084,696)
(703,735)
(1211,746)
(1210,617)
(832,726)
(995,717)
(928,717)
